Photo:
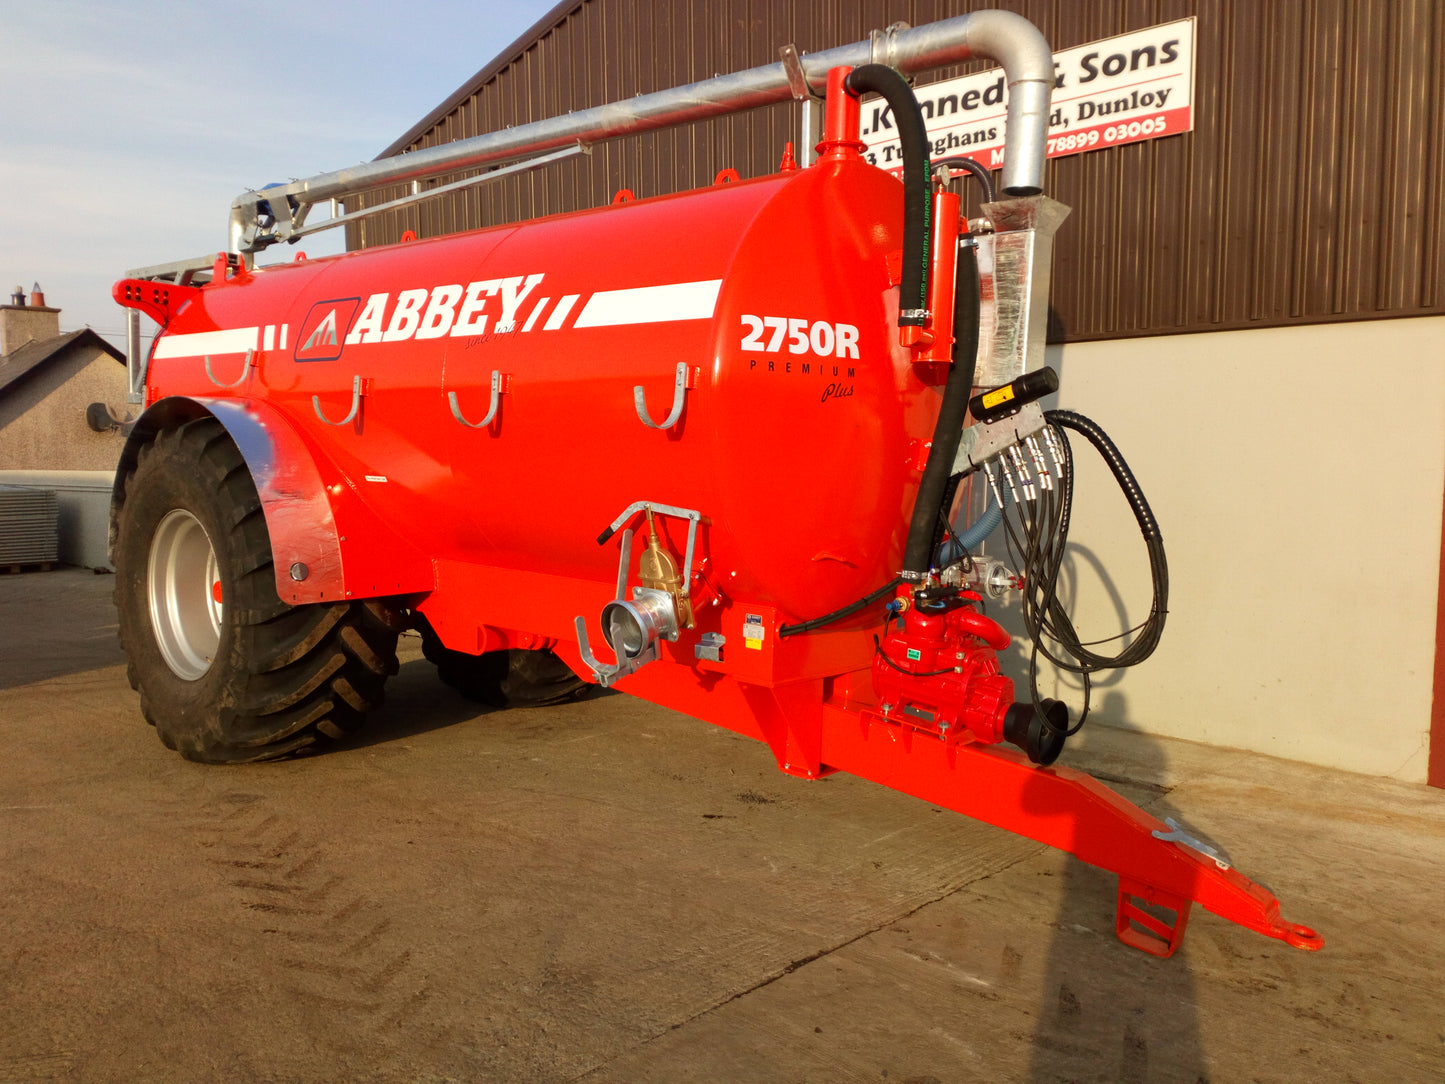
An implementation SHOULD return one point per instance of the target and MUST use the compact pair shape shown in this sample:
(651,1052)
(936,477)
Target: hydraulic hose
(934,486)
(1067,419)
(981,175)
(1153,627)
(838,615)
(917,206)
(1045,532)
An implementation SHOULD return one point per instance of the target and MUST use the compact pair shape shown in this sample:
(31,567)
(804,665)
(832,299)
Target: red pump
(436,432)
(939,672)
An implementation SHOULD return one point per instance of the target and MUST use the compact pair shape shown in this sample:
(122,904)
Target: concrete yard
(612,892)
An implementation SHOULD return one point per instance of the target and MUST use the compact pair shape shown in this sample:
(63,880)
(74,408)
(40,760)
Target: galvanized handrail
(995,35)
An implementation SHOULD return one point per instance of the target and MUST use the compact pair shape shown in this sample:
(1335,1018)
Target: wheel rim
(184,584)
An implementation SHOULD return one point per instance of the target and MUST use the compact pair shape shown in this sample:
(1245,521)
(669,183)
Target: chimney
(21,323)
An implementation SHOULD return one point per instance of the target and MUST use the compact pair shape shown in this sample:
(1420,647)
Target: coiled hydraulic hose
(1039,546)
(1061,627)
(1067,419)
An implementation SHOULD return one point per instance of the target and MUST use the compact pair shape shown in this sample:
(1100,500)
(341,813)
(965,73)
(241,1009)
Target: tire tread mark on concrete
(308,936)
(321,891)
(388,971)
(242,863)
(318,967)
(264,886)
(346,910)
(305,865)
(407,1009)
(339,951)
(369,938)
(277,908)
(36,1067)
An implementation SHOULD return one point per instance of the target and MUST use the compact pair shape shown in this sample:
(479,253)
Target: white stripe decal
(651,304)
(234,341)
(559,314)
(536,312)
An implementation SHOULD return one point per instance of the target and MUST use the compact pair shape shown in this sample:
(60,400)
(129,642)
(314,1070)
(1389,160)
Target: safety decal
(998,396)
(753,632)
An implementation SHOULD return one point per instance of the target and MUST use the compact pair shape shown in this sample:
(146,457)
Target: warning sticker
(998,396)
(753,632)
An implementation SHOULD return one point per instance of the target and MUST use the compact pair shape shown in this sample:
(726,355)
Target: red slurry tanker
(705,447)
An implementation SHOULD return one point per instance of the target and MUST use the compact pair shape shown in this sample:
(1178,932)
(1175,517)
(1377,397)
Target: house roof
(547,22)
(34,355)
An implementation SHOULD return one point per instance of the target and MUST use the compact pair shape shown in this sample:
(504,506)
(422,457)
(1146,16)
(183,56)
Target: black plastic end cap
(1041,736)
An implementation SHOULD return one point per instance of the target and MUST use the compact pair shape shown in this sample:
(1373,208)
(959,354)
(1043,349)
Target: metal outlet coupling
(634,629)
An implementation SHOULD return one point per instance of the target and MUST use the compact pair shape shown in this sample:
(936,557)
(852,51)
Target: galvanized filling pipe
(994,35)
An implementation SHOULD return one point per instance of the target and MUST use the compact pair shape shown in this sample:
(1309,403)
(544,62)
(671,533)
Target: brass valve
(657,569)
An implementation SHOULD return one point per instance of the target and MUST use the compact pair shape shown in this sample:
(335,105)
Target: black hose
(1040,554)
(933,487)
(838,615)
(984,178)
(1067,419)
(917,206)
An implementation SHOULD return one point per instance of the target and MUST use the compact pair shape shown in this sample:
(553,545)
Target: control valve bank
(734,450)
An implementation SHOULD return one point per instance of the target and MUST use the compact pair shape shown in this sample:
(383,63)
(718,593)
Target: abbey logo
(323,335)
(487,308)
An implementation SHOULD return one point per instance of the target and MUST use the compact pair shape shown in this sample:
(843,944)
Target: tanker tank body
(793,437)
(719,432)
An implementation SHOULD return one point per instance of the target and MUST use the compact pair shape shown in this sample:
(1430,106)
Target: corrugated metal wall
(1309,191)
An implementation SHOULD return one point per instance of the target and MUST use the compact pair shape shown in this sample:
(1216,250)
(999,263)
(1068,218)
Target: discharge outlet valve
(635,628)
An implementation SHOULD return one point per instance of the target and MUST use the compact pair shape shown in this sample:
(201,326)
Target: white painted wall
(1296,474)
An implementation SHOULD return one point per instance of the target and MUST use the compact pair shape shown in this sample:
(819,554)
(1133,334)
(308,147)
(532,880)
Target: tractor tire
(512,678)
(227,672)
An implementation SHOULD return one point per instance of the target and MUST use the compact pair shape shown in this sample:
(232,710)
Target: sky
(127,128)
